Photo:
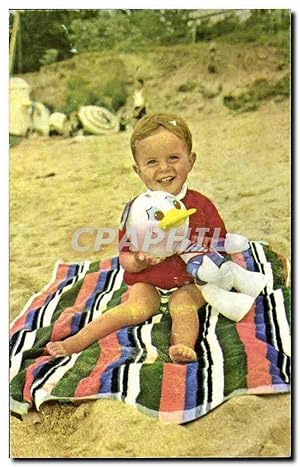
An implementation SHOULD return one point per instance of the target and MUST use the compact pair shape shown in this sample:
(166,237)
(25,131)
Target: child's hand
(145,260)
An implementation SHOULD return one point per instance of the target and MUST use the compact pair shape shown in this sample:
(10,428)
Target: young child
(161,145)
(139,104)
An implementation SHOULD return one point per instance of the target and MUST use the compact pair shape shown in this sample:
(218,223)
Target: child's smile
(163,161)
(166,180)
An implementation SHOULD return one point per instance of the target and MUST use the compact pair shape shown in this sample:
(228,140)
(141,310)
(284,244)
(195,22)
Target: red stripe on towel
(62,327)
(109,353)
(87,288)
(258,366)
(173,388)
(105,264)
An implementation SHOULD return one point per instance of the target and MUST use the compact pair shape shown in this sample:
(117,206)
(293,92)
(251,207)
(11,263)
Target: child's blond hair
(147,125)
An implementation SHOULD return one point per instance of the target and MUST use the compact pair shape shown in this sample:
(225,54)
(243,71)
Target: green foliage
(243,102)
(209,31)
(15,140)
(248,98)
(103,85)
(50,56)
(115,93)
(118,30)
(78,94)
(261,27)
(75,31)
(41,30)
(46,29)
(187,87)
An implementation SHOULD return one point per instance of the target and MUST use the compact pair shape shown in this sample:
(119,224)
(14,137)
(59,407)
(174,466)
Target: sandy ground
(244,166)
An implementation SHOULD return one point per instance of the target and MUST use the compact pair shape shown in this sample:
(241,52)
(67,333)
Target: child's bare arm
(137,261)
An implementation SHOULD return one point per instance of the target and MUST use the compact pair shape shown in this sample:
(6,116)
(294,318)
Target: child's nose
(163,165)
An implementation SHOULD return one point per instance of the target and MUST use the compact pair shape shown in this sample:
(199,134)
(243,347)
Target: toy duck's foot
(235,243)
(56,349)
(247,282)
(181,353)
(205,268)
(232,305)
(226,282)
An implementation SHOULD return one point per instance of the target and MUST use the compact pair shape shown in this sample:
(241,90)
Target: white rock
(40,119)
(20,107)
(58,122)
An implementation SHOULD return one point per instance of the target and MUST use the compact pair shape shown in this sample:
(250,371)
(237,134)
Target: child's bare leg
(183,306)
(142,303)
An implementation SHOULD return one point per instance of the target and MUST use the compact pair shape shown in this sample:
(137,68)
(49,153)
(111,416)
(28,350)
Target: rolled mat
(132,364)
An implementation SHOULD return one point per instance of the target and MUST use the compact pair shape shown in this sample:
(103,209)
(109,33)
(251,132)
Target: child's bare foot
(56,349)
(181,353)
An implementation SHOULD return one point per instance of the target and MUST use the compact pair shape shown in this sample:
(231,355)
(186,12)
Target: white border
(111,4)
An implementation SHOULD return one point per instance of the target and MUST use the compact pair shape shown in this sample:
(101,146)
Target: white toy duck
(158,223)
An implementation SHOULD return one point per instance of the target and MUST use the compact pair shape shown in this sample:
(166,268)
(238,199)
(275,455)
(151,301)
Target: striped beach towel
(132,364)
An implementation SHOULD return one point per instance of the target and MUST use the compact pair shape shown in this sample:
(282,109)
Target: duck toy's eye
(176,204)
(159,215)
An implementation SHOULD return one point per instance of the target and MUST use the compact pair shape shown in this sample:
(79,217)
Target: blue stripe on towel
(98,288)
(76,318)
(260,324)
(126,352)
(273,356)
(249,260)
(191,384)
(272,353)
(72,271)
(115,262)
(30,317)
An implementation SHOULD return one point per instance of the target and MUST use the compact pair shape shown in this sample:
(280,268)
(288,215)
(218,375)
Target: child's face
(163,161)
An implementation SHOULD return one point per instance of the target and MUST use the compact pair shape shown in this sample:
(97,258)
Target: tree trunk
(13,42)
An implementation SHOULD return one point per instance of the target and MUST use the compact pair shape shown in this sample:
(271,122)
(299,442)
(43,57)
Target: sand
(245,426)
(244,166)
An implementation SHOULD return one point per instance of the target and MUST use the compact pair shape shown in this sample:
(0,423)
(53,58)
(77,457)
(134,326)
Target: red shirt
(172,271)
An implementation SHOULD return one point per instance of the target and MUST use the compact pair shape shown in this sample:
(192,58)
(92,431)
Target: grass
(261,89)
(108,78)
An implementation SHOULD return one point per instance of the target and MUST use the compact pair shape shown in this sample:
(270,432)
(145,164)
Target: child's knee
(143,302)
(138,314)
(180,297)
(184,300)
(144,296)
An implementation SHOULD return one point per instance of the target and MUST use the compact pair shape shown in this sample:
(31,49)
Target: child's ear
(192,158)
(136,169)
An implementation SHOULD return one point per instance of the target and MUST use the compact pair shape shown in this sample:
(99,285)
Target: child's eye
(151,162)
(174,157)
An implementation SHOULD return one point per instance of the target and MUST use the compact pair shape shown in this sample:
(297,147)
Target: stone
(20,107)
(40,119)
(58,123)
